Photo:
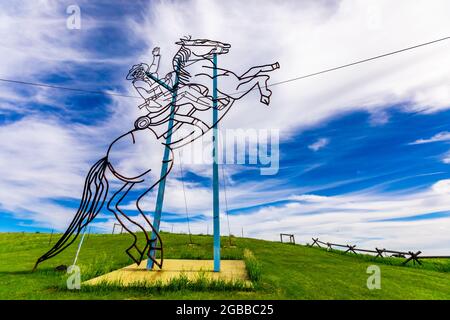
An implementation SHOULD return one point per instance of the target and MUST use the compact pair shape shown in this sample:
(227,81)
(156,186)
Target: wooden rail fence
(408,255)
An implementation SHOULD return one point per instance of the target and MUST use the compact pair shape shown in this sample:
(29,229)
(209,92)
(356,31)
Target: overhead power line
(270,85)
(358,62)
(45,85)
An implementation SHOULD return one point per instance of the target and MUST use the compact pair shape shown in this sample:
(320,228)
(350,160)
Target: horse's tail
(94,196)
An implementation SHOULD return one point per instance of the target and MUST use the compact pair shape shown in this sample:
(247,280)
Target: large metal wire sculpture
(177,101)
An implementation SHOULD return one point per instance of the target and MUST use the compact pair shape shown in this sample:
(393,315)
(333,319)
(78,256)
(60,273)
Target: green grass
(252,265)
(279,271)
(182,282)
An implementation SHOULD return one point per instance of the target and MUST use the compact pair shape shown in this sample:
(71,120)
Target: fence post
(380,252)
(414,257)
(351,248)
(315,241)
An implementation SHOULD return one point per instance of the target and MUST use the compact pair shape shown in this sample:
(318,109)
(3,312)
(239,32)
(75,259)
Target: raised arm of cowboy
(155,63)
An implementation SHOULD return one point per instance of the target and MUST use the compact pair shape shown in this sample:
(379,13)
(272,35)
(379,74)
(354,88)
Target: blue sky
(364,152)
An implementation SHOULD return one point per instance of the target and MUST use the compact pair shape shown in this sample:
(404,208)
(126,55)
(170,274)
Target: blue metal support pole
(216,213)
(164,168)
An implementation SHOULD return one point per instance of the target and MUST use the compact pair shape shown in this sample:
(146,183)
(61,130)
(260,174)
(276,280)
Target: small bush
(253,266)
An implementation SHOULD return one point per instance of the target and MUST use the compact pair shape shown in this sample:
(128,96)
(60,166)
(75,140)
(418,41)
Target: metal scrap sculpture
(178,100)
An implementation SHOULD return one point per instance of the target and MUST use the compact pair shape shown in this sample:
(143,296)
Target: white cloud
(45,159)
(42,158)
(41,161)
(379,117)
(309,36)
(357,218)
(446,158)
(319,144)
(353,218)
(442,187)
(325,36)
(441,136)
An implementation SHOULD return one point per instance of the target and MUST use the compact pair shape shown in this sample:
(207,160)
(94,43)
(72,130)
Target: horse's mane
(179,63)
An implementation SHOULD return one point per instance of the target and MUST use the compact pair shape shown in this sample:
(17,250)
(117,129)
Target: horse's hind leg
(115,209)
(155,239)
(152,242)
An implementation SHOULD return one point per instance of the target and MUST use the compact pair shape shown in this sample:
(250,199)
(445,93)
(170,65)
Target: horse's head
(204,48)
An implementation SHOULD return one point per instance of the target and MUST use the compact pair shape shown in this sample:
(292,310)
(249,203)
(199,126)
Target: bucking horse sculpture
(182,98)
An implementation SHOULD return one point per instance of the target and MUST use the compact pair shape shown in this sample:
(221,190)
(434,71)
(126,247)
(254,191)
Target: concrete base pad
(231,270)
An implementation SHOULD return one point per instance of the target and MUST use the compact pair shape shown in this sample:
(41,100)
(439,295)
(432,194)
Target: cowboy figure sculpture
(181,99)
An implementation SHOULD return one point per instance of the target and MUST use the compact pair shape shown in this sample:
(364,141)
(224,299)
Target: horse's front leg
(254,71)
(247,84)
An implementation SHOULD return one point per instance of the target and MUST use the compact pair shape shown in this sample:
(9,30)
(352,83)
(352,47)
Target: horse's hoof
(265,100)
(275,66)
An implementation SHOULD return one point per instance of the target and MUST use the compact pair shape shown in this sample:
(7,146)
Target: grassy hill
(287,271)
